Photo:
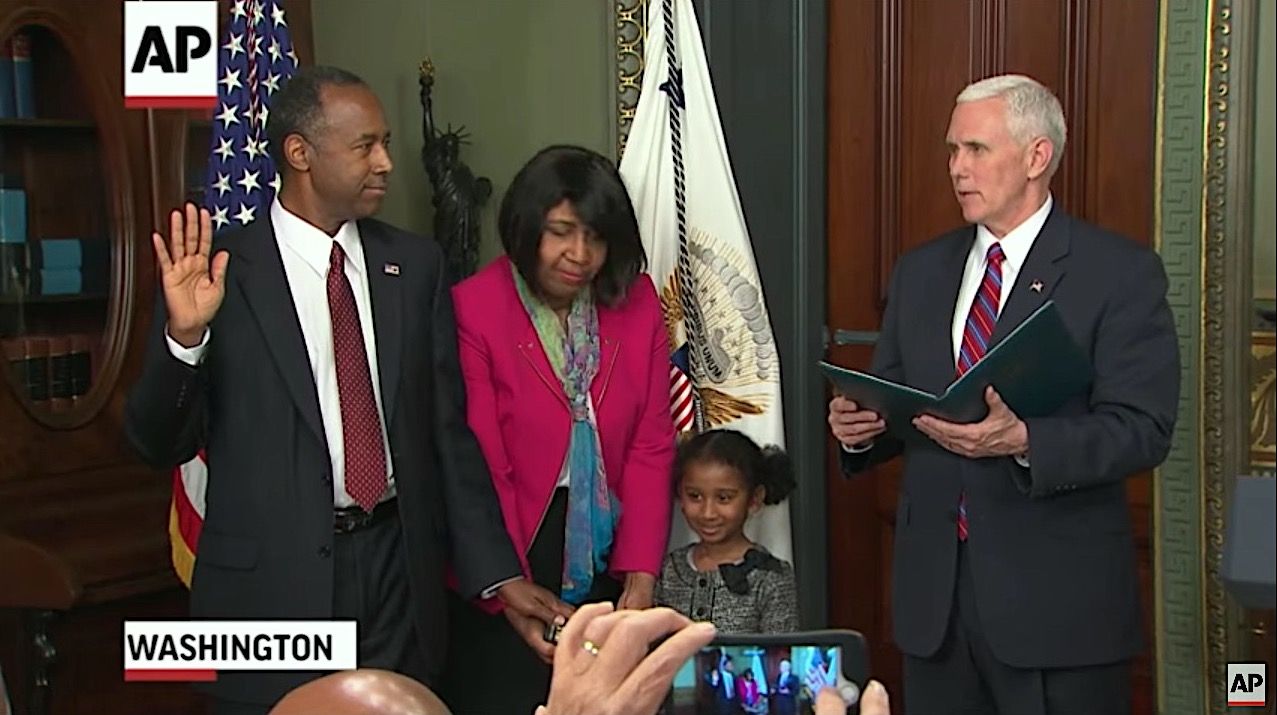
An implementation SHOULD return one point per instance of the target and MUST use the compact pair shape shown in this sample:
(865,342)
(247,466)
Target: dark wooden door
(895,67)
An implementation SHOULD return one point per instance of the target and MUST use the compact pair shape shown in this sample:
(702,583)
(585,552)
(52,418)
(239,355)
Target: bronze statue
(458,193)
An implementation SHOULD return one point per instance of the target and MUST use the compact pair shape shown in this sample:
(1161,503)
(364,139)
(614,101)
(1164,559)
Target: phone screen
(760,679)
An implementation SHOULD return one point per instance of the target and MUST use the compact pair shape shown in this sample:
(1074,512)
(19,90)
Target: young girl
(721,477)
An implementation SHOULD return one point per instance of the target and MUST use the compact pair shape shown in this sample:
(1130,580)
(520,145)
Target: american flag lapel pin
(390,269)
(1036,286)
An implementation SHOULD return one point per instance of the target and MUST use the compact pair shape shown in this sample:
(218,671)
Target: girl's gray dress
(754,595)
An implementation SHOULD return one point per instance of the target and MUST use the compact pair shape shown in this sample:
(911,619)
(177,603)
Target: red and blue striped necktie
(981,319)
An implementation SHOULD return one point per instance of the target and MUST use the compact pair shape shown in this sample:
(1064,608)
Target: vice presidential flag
(724,370)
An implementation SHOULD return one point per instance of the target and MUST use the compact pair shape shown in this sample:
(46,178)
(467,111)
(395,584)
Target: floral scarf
(592,508)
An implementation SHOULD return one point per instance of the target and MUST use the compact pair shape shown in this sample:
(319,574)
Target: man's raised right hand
(193,285)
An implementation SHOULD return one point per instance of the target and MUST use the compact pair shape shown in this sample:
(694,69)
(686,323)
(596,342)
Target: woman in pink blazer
(566,364)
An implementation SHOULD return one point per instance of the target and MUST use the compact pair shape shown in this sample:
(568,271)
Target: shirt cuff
(858,448)
(491,591)
(191,356)
(1022,460)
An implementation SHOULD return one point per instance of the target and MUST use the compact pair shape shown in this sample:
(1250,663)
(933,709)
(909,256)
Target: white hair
(1032,110)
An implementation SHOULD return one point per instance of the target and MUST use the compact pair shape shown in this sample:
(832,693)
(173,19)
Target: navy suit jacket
(266,546)
(1050,546)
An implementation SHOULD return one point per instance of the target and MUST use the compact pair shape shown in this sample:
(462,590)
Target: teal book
(1036,369)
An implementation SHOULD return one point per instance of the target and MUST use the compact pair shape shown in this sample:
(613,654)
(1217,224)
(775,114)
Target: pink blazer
(517,409)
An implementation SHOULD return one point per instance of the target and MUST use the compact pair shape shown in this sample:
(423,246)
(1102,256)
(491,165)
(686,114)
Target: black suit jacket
(1050,546)
(266,546)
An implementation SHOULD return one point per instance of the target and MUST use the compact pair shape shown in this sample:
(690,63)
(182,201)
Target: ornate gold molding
(1177,227)
(631,35)
(1215,433)
(1203,198)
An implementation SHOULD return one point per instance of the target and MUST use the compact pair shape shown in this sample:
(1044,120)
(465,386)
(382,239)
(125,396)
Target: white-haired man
(1015,584)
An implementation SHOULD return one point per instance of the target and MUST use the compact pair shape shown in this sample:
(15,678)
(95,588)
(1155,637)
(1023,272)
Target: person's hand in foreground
(874,701)
(602,665)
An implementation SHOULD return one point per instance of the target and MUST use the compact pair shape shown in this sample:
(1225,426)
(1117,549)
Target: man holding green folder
(1015,584)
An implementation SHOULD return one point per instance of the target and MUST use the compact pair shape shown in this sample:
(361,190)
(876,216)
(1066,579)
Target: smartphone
(551,633)
(777,673)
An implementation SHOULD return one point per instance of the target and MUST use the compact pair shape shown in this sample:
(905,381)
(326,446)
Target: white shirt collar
(1018,241)
(313,245)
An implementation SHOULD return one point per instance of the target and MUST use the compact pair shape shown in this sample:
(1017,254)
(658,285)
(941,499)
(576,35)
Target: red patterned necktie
(975,337)
(360,421)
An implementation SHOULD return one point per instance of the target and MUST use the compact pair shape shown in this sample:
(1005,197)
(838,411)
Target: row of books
(55,267)
(17,84)
(53,370)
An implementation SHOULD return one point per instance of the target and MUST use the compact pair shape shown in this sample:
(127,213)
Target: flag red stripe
(684,403)
(189,522)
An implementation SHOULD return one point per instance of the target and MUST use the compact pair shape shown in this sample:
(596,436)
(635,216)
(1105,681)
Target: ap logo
(1246,685)
(170,60)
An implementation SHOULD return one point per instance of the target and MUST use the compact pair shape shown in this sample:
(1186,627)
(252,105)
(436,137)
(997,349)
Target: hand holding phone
(604,661)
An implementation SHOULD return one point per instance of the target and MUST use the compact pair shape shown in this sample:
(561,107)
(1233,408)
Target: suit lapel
(1041,272)
(937,325)
(261,277)
(383,265)
(609,344)
(529,346)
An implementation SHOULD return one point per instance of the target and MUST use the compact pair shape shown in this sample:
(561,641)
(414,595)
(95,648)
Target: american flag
(254,61)
(682,392)
(255,58)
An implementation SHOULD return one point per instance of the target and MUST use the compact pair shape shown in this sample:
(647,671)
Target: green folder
(1036,369)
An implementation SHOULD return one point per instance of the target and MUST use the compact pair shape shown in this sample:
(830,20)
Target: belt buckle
(352,521)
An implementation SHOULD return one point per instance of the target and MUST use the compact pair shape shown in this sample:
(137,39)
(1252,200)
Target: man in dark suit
(723,681)
(314,358)
(1015,585)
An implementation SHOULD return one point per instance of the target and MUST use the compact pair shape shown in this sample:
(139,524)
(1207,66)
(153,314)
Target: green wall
(519,75)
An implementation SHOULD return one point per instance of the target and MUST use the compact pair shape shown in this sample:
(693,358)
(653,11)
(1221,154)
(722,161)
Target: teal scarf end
(592,515)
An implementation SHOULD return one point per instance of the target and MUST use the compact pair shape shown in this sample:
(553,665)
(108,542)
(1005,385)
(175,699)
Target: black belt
(348,520)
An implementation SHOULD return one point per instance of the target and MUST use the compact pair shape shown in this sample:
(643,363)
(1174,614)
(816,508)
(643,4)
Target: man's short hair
(298,107)
(1032,110)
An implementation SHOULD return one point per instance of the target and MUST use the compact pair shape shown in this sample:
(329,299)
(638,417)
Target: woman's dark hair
(593,186)
(768,467)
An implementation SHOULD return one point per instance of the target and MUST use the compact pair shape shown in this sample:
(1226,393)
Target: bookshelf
(83,524)
(58,290)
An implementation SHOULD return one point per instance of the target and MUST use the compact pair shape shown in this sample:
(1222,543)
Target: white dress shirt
(305,251)
(1015,249)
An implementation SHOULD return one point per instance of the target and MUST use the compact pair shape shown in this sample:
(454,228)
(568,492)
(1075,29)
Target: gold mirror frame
(1203,231)
(630,33)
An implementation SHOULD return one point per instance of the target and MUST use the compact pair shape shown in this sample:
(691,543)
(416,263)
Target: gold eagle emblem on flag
(734,352)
